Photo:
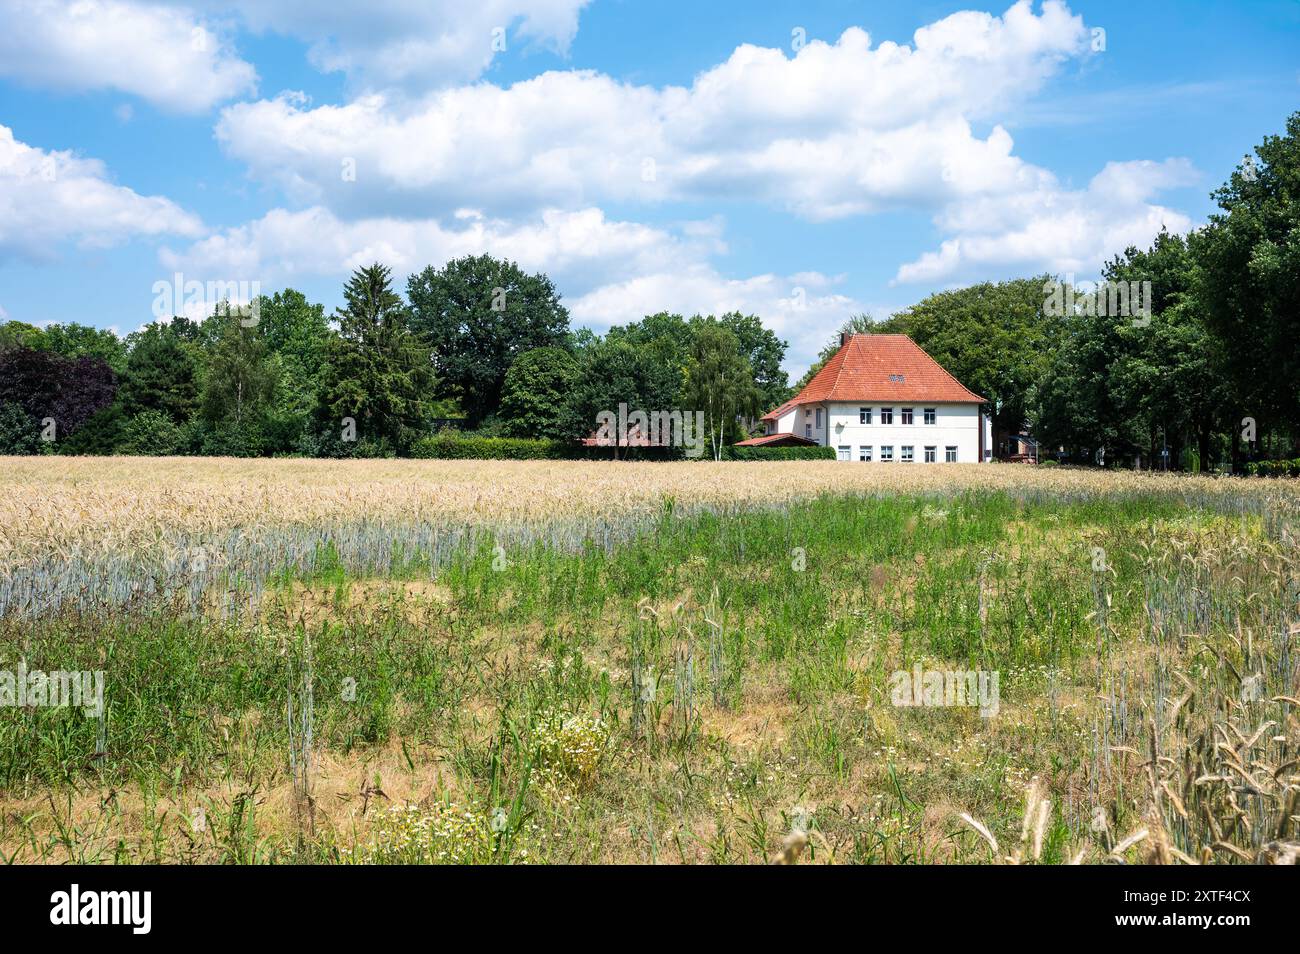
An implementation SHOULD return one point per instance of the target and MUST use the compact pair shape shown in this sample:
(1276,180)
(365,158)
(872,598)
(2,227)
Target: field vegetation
(509,662)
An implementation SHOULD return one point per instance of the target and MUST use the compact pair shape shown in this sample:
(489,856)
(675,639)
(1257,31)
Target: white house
(882,399)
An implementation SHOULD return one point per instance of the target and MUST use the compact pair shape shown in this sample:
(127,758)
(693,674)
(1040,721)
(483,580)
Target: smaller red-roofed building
(882,399)
(777,440)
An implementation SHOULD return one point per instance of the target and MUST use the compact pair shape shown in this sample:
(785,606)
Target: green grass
(769,637)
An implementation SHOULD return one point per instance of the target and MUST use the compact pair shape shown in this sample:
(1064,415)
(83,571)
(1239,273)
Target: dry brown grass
(348,792)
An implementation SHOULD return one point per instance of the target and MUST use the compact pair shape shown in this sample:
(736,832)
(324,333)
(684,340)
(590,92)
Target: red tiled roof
(885,369)
(773,415)
(774,438)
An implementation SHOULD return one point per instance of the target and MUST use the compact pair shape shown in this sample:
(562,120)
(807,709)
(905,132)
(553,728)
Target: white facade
(946,432)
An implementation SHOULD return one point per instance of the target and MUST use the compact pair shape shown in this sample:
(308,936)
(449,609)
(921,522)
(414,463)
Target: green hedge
(1274,468)
(450,445)
(778,453)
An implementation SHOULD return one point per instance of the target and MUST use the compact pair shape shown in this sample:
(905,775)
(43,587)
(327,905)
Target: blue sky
(801,161)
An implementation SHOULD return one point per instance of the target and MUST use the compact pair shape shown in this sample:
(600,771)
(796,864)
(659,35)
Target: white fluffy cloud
(411,43)
(1053,228)
(830,130)
(47,198)
(833,129)
(164,55)
(581,249)
(178,55)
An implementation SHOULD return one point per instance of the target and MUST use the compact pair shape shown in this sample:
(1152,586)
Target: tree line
(477,343)
(1203,372)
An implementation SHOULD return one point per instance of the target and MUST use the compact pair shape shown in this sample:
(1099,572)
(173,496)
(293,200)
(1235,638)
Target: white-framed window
(950,455)
(929,455)
(886,453)
(807,431)
(907,415)
(864,415)
(929,415)
(864,452)
(842,452)
(819,419)
(886,415)
(906,455)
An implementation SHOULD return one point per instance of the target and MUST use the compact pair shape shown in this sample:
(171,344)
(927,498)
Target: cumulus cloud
(579,248)
(182,60)
(166,56)
(1052,228)
(832,129)
(411,44)
(47,198)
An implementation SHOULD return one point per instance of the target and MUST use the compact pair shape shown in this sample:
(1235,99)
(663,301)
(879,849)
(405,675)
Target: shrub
(1049,462)
(230,438)
(101,434)
(778,453)
(329,443)
(19,434)
(452,445)
(282,432)
(152,434)
(1274,468)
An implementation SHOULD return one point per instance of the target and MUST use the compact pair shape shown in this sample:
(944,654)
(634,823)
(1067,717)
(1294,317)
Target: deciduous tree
(536,388)
(477,314)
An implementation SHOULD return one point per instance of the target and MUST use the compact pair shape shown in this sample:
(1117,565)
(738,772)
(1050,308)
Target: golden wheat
(68,506)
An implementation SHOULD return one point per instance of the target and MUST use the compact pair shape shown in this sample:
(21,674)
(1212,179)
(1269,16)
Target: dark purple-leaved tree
(45,384)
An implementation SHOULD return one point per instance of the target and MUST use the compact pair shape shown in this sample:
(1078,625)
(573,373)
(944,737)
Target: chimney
(844,338)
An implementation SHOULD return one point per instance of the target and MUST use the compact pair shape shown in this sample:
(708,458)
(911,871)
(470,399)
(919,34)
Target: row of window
(887,415)
(906,453)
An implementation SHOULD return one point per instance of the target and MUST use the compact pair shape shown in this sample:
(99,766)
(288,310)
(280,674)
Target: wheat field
(125,501)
